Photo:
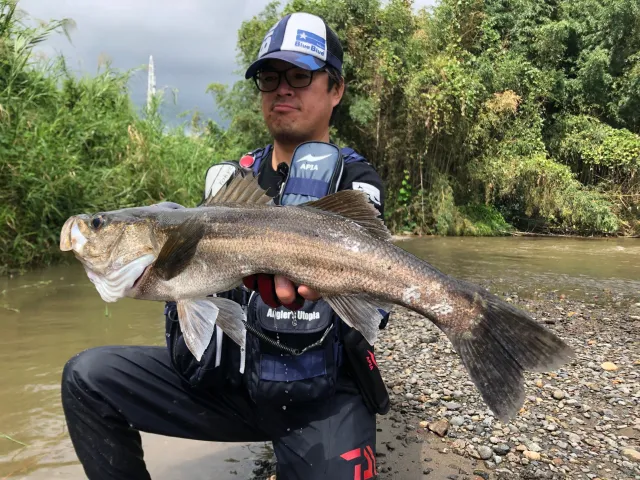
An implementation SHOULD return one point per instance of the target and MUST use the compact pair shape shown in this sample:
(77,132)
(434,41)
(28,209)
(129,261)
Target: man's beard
(288,134)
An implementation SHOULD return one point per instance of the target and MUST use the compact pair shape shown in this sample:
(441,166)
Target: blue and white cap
(302,39)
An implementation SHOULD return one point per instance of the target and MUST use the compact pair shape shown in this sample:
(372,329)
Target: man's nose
(284,89)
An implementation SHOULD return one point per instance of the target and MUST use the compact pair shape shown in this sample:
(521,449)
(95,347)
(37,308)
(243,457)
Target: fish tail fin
(501,345)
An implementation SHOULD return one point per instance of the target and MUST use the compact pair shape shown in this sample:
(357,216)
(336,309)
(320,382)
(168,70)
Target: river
(51,314)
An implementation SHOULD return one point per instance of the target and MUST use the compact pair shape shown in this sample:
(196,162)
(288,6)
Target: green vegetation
(69,145)
(482,116)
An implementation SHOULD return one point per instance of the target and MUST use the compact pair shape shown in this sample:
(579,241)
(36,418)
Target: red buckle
(247,161)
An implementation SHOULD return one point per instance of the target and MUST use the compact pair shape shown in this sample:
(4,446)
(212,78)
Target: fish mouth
(71,237)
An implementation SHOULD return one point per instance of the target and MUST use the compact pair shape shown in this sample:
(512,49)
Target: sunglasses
(269,80)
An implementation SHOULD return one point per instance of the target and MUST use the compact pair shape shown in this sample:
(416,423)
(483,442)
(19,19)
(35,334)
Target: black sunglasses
(296,77)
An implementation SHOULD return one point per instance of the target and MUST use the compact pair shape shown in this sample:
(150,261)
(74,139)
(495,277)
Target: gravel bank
(580,422)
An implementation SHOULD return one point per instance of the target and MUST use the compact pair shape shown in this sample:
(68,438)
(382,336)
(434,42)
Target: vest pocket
(277,376)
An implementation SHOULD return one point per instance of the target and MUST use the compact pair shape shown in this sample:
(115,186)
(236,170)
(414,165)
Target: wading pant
(110,394)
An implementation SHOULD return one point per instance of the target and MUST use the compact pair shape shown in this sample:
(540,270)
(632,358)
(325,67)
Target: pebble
(609,366)
(573,438)
(502,449)
(485,452)
(631,454)
(558,394)
(439,427)
(532,455)
(534,447)
(457,421)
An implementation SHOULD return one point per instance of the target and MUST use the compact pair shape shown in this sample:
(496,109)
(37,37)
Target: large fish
(336,245)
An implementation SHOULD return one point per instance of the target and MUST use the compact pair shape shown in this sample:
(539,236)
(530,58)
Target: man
(312,410)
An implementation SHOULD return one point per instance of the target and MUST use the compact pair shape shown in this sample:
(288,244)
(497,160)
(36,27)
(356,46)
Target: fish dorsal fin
(179,248)
(354,205)
(241,189)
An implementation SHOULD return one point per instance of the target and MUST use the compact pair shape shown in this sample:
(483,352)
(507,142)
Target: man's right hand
(277,290)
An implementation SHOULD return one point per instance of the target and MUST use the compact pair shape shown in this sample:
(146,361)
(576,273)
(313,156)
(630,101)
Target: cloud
(193,42)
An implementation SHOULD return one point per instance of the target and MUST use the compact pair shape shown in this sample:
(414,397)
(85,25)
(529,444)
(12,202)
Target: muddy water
(48,316)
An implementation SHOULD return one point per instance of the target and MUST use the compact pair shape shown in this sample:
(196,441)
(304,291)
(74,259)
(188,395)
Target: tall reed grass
(71,145)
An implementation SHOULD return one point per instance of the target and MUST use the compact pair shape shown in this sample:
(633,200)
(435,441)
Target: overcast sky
(193,42)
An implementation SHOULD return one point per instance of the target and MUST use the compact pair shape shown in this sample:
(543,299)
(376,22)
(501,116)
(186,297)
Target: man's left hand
(277,290)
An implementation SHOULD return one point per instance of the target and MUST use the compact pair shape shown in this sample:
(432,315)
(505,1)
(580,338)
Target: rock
(459,444)
(473,452)
(439,427)
(502,449)
(631,454)
(453,405)
(423,424)
(534,447)
(558,395)
(457,421)
(573,438)
(534,456)
(609,366)
(485,452)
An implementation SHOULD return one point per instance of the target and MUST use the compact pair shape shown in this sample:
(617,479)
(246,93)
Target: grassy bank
(69,145)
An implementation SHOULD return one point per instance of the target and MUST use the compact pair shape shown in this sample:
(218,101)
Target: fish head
(116,248)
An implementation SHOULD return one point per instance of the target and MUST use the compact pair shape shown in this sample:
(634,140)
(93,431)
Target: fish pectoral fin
(240,190)
(179,248)
(199,317)
(360,312)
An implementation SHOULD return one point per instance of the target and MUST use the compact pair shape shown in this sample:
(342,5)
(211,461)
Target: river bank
(581,422)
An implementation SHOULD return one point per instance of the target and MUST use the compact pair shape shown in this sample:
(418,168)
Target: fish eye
(97,221)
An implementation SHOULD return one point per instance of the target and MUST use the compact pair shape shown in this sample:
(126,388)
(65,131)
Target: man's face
(295,115)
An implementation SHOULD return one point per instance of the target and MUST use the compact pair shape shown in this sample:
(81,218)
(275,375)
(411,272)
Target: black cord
(285,348)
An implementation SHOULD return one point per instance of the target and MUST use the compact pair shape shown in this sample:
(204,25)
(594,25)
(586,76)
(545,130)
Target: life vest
(307,368)
(272,374)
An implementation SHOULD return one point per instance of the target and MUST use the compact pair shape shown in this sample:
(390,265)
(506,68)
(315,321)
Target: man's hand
(277,290)
(285,289)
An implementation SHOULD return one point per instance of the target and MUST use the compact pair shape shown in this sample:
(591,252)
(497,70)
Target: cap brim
(298,59)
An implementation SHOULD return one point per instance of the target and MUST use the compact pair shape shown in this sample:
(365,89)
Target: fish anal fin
(199,317)
(231,320)
(240,190)
(179,248)
(354,205)
(359,312)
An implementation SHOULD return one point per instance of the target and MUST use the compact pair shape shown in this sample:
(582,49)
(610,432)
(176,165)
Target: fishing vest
(298,354)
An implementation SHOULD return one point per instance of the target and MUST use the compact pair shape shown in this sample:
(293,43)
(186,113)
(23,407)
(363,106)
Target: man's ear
(337,92)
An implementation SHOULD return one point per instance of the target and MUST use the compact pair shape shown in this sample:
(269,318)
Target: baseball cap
(302,39)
